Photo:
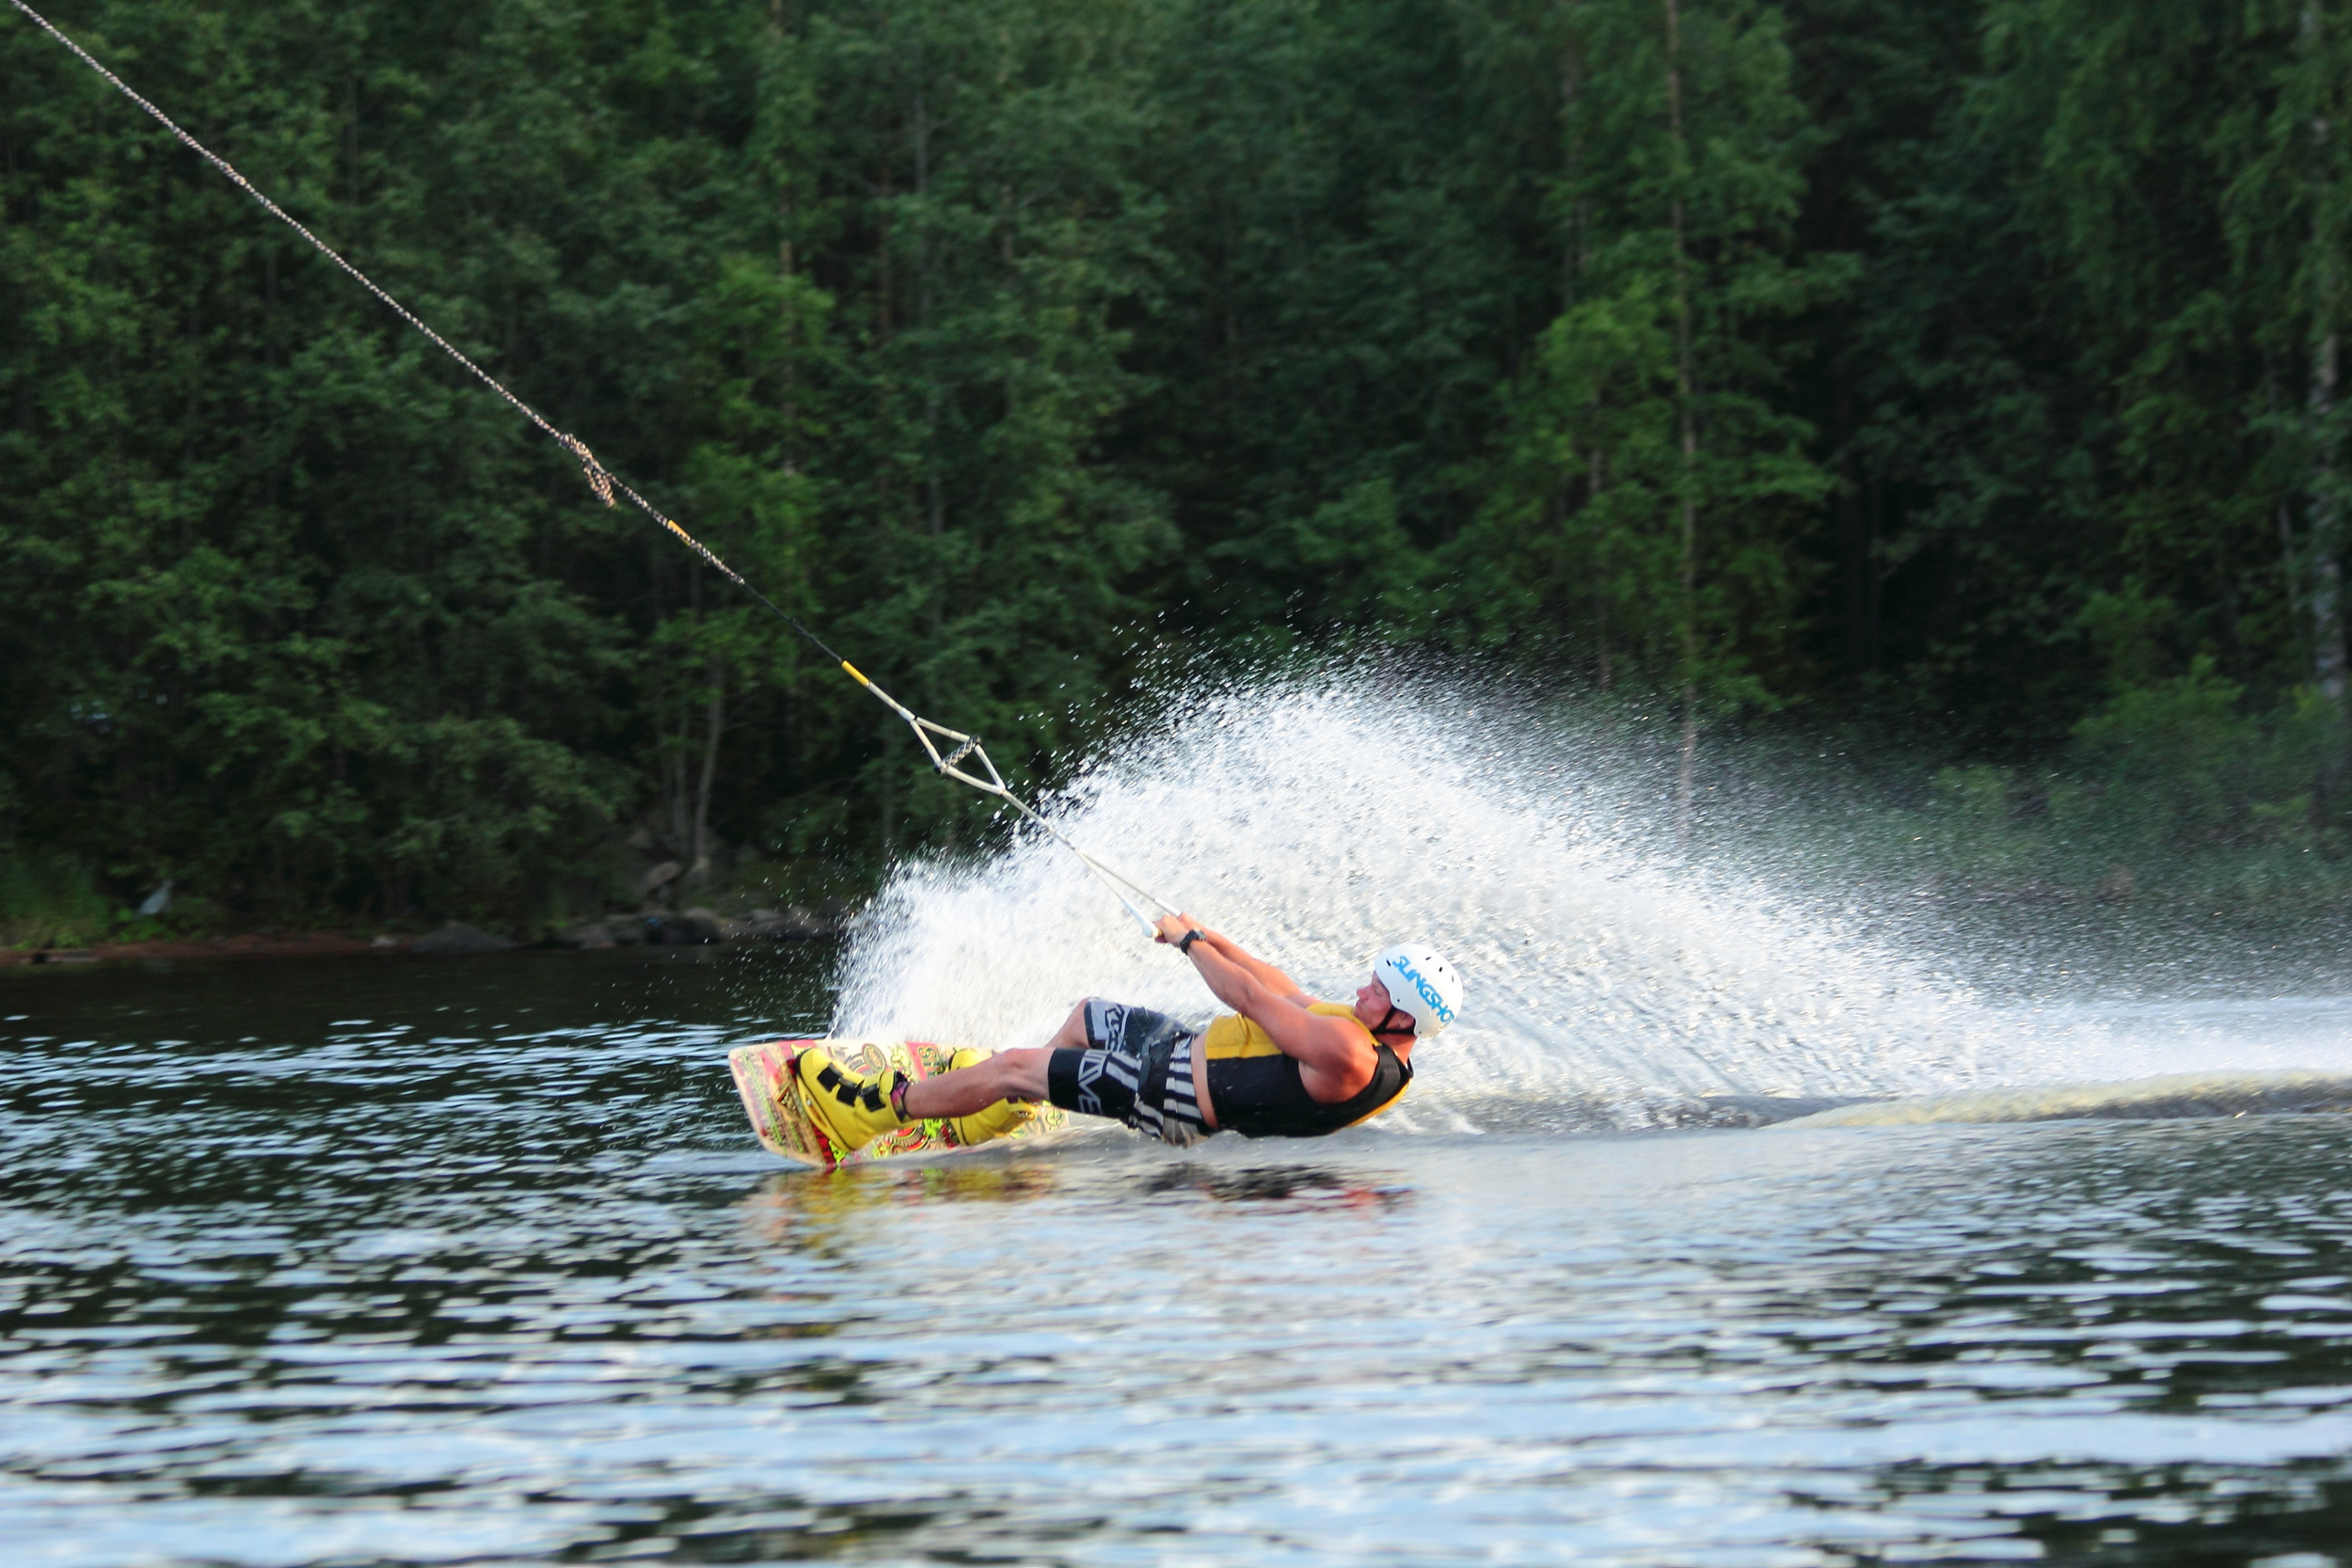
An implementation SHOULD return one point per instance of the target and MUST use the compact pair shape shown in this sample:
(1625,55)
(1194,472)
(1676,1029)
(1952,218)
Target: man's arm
(1273,1000)
(1173,929)
(1274,980)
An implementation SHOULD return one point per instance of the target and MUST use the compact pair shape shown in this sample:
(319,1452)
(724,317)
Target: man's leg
(1018,1075)
(1072,1036)
(967,1091)
(984,1100)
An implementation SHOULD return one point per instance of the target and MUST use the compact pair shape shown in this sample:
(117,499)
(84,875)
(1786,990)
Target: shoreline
(316,945)
(694,929)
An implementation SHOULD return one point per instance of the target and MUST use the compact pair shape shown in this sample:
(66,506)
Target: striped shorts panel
(1137,1067)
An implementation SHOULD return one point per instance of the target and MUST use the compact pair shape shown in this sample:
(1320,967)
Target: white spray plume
(1315,820)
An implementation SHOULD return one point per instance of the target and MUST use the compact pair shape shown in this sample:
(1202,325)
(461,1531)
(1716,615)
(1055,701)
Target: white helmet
(1420,984)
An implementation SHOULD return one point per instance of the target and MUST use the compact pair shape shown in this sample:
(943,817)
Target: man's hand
(1336,1047)
(1222,963)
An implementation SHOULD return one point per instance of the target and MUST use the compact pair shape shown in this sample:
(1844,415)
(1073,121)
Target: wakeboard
(772,1096)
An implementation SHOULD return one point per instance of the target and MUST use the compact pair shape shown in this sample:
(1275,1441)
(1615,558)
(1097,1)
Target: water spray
(990,781)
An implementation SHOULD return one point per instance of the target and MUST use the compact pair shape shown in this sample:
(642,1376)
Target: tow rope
(610,487)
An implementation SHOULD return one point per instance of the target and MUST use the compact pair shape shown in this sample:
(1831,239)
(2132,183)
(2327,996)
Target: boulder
(702,918)
(456,937)
(684,930)
(593,934)
(795,922)
(660,876)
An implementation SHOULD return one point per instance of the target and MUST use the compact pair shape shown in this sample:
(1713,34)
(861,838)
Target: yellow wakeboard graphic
(772,1098)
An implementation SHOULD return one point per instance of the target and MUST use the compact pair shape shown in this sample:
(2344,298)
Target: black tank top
(1262,1097)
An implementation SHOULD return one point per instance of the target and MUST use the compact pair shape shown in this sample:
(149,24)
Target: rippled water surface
(474,1260)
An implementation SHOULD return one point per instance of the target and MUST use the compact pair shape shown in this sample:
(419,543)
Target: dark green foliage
(298,615)
(1641,517)
(47,900)
(1964,369)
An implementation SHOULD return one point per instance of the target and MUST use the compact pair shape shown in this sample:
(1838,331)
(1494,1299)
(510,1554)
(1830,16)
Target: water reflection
(816,1211)
(1303,1186)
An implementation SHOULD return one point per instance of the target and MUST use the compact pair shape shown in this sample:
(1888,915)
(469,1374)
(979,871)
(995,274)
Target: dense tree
(1649,471)
(1968,368)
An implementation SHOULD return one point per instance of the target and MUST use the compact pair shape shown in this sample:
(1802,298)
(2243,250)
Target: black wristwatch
(1184,944)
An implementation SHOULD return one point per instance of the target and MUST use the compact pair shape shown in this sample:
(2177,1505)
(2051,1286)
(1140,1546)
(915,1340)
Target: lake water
(474,1260)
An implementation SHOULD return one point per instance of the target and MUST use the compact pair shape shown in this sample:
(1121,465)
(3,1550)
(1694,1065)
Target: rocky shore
(248,945)
(659,927)
(699,926)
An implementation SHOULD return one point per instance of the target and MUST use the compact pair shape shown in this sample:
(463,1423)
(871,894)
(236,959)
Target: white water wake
(1316,821)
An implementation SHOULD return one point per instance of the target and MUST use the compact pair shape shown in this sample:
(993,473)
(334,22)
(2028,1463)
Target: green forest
(1960,379)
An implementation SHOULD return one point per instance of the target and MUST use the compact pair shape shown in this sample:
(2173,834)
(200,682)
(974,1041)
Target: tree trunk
(674,783)
(714,719)
(935,496)
(789,346)
(1687,610)
(1857,542)
(787,351)
(881,257)
(1572,251)
(2289,580)
(2326,512)
(2323,507)
(1572,263)
(1600,569)
(889,801)
(2286,563)
(677,779)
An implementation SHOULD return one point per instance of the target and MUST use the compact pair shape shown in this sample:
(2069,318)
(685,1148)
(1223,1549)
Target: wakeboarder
(1280,1065)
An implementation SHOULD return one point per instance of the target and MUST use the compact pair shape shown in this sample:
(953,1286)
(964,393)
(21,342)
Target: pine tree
(982,178)
(1651,494)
